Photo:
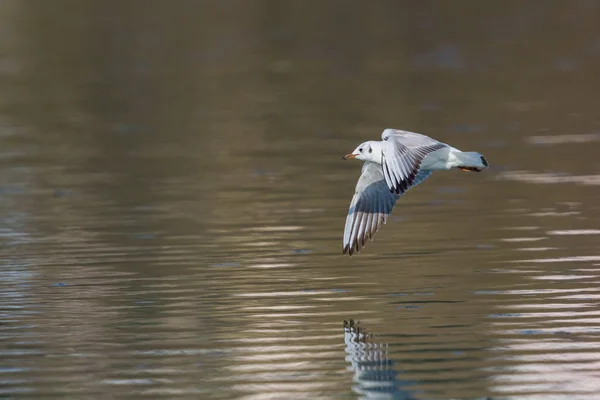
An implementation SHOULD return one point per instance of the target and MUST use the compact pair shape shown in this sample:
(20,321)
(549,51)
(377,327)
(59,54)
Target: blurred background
(172,200)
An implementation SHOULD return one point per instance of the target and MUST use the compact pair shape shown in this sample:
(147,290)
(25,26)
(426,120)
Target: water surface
(172,201)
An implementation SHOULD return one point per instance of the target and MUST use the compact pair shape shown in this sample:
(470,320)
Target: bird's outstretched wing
(402,155)
(371,205)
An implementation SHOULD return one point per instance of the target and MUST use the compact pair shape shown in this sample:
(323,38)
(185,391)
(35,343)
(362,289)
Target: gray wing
(371,205)
(421,176)
(402,155)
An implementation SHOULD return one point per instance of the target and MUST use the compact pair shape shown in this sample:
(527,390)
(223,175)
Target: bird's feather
(370,207)
(402,155)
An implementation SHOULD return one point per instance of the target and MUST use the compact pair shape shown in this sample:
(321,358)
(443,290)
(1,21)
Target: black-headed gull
(399,162)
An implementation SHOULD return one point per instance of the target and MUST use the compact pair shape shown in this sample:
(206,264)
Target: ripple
(560,259)
(549,178)
(523,239)
(563,139)
(572,232)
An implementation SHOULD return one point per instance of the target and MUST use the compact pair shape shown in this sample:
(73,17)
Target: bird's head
(367,151)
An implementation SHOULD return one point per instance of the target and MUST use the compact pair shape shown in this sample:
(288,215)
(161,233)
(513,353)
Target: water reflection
(374,372)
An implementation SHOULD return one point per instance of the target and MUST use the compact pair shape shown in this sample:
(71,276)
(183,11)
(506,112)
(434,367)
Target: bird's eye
(370,150)
(360,150)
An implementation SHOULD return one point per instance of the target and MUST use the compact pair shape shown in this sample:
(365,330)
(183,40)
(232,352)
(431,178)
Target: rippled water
(172,201)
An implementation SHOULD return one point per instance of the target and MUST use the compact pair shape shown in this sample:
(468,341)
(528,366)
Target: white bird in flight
(399,162)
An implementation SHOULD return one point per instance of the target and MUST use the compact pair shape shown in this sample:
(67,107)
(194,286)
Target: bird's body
(399,162)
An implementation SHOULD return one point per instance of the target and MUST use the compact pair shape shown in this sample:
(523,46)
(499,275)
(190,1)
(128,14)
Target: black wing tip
(399,188)
(348,250)
(355,248)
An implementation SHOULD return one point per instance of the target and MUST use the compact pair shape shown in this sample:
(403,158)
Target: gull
(400,161)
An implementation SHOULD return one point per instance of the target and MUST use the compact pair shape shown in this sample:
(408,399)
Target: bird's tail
(471,161)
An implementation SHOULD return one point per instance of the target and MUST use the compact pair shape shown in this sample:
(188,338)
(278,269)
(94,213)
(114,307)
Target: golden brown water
(172,200)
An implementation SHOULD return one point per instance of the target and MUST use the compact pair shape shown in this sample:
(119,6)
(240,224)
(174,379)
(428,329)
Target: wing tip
(348,250)
(356,247)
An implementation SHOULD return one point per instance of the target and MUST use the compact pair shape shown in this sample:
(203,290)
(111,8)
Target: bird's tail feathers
(471,161)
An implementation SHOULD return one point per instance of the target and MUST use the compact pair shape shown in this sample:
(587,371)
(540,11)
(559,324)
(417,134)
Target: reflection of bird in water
(374,372)
(392,166)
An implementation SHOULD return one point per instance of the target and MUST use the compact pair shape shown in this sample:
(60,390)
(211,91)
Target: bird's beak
(349,156)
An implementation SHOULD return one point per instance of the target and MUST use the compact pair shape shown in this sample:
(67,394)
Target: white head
(367,151)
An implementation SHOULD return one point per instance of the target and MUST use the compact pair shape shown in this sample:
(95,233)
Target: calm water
(172,200)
